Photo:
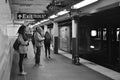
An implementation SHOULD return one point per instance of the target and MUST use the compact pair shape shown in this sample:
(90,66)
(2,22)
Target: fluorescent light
(83,3)
(53,16)
(63,12)
(30,26)
(44,20)
(36,23)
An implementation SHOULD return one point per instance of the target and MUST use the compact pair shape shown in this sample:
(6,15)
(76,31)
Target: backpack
(33,40)
(16,45)
(47,37)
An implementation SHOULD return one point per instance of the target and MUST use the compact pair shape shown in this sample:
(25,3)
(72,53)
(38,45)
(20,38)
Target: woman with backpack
(23,40)
(47,43)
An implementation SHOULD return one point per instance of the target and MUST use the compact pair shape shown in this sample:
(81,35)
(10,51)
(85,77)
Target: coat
(23,47)
(38,39)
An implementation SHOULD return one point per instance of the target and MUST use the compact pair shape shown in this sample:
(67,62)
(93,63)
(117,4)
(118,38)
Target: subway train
(99,37)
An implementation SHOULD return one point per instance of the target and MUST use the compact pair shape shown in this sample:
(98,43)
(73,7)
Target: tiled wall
(5,56)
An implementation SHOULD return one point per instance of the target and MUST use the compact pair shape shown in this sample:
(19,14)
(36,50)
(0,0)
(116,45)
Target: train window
(118,34)
(99,33)
(93,33)
(96,33)
(104,34)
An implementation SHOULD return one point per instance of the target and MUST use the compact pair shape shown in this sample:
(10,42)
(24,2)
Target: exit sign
(31,15)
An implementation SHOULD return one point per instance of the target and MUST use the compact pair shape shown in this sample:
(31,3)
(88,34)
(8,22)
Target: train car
(99,37)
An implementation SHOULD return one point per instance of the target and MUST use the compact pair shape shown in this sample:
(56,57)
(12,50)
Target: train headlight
(92,46)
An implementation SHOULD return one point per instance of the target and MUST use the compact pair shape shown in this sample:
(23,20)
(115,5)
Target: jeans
(21,62)
(37,55)
(47,48)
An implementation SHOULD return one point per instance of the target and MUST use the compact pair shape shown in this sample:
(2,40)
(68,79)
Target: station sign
(31,16)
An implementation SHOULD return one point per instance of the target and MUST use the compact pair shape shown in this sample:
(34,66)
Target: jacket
(23,47)
(38,39)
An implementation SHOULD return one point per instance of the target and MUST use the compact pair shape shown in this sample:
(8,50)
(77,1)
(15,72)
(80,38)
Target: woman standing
(47,43)
(23,47)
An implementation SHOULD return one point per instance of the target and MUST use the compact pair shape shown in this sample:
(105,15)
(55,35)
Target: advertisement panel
(65,38)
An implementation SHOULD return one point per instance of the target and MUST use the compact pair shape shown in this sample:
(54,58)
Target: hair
(21,30)
(40,30)
(46,32)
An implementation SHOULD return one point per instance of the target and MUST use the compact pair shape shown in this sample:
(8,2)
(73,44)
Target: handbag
(16,44)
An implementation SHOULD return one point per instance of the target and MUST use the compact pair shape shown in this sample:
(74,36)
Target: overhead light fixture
(63,12)
(36,24)
(44,20)
(53,16)
(83,4)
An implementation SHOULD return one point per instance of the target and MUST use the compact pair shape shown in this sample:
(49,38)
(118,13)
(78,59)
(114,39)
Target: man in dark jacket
(47,43)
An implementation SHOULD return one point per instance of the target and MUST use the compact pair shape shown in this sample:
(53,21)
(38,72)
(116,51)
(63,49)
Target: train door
(83,39)
(112,39)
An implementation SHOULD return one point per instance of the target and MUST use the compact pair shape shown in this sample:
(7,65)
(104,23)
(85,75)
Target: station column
(45,28)
(55,27)
(75,56)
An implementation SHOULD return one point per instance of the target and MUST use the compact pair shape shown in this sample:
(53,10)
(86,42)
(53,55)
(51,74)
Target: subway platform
(60,67)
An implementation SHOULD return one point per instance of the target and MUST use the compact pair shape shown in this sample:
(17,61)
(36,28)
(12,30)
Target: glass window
(118,34)
(104,34)
(93,33)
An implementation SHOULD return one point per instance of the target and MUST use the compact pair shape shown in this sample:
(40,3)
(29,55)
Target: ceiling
(38,6)
(109,16)
(29,6)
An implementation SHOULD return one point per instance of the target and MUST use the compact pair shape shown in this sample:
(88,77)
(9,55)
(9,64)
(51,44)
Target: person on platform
(23,47)
(39,38)
(47,43)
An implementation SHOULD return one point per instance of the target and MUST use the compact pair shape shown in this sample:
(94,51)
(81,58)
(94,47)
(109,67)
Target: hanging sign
(31,15)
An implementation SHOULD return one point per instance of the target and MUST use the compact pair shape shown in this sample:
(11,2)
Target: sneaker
(23,73)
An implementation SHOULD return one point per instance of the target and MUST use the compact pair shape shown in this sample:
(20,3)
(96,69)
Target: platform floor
(58,67)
